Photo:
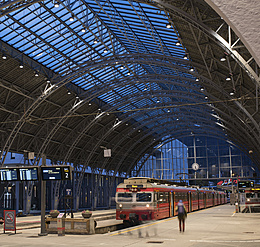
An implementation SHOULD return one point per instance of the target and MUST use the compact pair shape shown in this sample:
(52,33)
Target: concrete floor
(218,226)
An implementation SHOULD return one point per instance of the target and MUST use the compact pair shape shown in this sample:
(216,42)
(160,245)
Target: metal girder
(6,7)
(170,8)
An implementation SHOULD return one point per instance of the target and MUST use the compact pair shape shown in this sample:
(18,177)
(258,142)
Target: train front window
(250,195)
(143,197)
(124,197)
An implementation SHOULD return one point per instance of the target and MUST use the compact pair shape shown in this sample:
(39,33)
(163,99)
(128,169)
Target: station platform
(216,226)
(102,217)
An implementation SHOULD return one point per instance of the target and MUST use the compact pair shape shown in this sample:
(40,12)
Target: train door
(171,196)
(205,199)
(190,202)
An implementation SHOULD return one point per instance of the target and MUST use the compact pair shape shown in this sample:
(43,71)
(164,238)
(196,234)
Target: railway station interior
(106,102)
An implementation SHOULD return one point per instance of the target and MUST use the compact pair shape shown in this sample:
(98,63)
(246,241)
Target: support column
(17,197)
(43,201)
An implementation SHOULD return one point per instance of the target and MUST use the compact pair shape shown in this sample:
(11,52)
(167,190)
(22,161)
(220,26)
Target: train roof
(151,182)
(139,180)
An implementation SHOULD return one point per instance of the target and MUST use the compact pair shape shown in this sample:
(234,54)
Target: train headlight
(248,200)
(147,205)
(120,205)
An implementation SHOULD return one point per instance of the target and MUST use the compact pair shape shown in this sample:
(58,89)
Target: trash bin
(61,224)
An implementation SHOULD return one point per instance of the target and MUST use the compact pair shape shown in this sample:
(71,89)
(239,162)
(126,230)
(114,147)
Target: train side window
(166,197)
(161,197)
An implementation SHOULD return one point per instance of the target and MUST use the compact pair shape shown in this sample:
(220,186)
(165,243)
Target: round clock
(195,166)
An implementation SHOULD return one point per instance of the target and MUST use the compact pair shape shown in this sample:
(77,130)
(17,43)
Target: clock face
(195,166)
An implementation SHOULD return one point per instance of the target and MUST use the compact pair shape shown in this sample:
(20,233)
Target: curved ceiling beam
(197,23)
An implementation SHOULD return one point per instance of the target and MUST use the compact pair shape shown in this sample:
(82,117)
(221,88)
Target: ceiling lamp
(185,57)
(4,56)
(231,93)
(72,18)
(95,41)
(69,92)
(206,97)
(191,69)
(36,74)
(202,89)
(168,25)
(121,67)
(228,79)
(21,66)
(105,51)
(128,73)
(223,59)
(89,103)
(178,43)
(56,5)
(83,30)
(197,79)
(48,81)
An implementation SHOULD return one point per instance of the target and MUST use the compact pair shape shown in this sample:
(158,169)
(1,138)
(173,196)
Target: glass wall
(217,159)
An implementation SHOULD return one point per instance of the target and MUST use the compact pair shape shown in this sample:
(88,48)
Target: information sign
(9,220)
(28,173)
(245,184)
(56,172)
(8,174)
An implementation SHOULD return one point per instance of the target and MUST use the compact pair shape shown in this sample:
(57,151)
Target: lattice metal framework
(76,76)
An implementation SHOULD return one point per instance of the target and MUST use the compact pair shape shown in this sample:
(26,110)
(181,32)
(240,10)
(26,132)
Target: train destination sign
(8,174)
(28,173)
(56,173)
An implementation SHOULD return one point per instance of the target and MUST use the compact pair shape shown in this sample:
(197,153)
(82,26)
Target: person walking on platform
(182,214)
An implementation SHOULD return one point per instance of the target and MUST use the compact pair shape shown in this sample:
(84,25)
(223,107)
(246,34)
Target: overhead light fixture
(128,73)
(105,51)
(228,79)
(95,41)
(89,103)
(202,89)
(56,5)
(77,97)
(178,43)
(72,18)
(223,59)
(185,57)
(206,97)
(168,25)
(21,66)
(197,79)
(191,69)
(177,119)
(126,124)
(83,30)
(48,81)
(121,67)
(36,74)
(69,92)
(231,93)
(168,110)
(4,56)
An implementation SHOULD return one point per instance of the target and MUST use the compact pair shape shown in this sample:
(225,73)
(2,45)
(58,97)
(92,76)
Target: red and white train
(139,199)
